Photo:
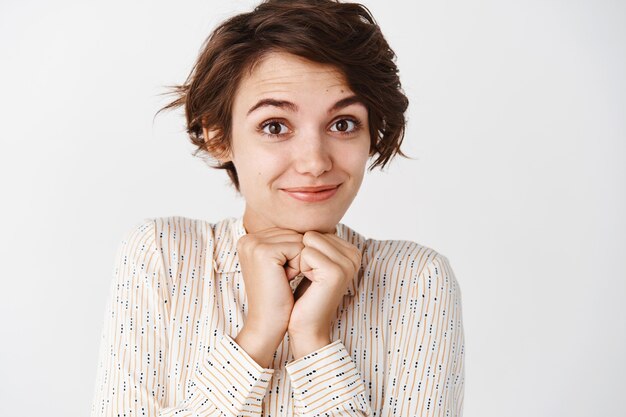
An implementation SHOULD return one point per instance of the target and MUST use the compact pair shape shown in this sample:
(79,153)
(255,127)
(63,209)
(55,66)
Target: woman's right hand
(269,260)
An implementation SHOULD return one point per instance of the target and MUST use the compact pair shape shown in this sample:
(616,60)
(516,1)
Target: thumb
(292,267)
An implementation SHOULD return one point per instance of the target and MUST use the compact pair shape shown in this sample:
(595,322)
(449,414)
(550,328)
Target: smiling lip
(312,194)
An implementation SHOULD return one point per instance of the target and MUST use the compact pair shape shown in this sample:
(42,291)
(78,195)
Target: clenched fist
(269,260)
(329,263)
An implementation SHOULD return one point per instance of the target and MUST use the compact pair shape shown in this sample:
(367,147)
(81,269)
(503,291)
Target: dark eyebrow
(287,105)
(283,104)
(345,102)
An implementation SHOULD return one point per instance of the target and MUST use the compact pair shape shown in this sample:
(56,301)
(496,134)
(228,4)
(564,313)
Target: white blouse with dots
(177,302)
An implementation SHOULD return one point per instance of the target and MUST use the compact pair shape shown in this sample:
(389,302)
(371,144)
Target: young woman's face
(296,123)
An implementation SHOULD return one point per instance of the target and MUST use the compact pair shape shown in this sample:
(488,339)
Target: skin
(312,145)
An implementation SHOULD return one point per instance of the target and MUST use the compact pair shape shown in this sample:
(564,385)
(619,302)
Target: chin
(321,225)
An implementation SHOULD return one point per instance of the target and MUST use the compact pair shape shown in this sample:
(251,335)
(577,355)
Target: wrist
(303,344)
(258,344)
(259,323)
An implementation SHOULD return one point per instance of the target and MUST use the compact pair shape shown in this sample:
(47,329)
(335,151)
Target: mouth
(312,194)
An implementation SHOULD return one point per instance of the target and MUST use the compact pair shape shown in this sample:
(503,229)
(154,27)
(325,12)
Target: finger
(276,232)
(290,246)
(281,237)
(270,236)
(292,265)
(318,266)
(351,252)
(340,241)
(286,254)
(342,254)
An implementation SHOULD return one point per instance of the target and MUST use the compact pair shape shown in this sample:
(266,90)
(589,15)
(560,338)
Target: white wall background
(517,121)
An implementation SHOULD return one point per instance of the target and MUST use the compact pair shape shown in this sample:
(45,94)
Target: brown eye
(346,126)
(274,128)
(342,125)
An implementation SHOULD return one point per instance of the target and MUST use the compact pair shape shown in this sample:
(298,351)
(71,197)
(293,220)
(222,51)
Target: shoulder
(162,229)
(171,230)
(138,243)
(179,232)
(407,259)
(182,242)
(398,262)
(392,257)
(406,255)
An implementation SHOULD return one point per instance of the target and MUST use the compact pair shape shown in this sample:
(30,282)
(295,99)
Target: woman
(285,311)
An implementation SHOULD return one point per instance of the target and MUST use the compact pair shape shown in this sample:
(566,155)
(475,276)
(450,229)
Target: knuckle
(308,235)
(262,248)
(346,263)
(339,270)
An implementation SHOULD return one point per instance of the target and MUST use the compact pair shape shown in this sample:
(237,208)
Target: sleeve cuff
(324,380)
(232,380)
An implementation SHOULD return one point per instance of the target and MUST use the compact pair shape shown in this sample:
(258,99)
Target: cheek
(355,159)
(260,165)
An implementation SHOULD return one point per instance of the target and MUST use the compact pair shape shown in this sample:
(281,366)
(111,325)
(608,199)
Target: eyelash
(262,126)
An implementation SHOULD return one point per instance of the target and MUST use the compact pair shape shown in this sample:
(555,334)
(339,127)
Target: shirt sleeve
(427,374)
(327,383)
(132,375)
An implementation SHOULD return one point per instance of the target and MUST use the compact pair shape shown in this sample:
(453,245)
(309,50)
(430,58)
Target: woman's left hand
(329,263)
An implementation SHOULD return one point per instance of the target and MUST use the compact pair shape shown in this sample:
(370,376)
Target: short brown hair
(344,35)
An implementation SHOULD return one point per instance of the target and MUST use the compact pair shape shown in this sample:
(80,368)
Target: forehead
(284,72)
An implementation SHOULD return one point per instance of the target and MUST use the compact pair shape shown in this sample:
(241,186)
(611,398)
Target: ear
(218,151)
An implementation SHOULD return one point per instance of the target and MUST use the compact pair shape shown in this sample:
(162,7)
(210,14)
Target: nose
(312,155)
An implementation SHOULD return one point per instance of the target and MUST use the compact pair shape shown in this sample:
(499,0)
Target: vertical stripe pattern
(177,302)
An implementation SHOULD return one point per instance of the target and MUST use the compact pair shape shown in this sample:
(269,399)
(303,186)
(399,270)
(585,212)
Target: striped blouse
(177,302)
